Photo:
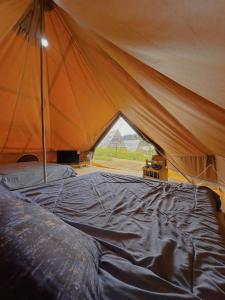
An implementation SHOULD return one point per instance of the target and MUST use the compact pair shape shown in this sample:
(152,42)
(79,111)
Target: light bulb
(44,42)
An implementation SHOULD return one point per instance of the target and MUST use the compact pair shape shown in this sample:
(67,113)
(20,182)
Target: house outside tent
(113,139)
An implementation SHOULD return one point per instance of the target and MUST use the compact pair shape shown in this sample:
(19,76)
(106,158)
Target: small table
(149,172)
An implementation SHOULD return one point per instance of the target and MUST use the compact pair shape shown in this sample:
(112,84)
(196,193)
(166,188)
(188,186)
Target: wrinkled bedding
(28,174)
(159,240)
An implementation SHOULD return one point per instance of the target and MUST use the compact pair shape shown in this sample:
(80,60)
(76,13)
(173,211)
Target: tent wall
(86,108)
(220,164)
(160,63)
(10,12)
(184,40)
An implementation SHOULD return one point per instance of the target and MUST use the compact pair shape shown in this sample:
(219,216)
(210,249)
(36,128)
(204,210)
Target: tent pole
(43,131)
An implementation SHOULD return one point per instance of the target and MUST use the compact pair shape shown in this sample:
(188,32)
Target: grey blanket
(159,240)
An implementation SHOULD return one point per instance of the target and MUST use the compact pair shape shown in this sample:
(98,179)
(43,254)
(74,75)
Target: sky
(123,127)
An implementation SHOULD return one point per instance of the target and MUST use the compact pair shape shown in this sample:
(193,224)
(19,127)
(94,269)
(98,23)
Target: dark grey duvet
(158,240)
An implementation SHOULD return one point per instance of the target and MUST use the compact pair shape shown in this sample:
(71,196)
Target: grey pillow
(5,193)
(41,257)
(22,175)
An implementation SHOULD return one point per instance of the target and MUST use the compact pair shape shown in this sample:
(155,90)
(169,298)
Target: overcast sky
(123,127)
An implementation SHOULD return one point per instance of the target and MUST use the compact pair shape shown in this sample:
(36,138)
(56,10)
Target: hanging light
(44,42)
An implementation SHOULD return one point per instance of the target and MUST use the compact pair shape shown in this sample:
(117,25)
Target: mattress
(159,240)
(28,174)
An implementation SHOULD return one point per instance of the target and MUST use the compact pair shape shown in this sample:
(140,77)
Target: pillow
(5,193)
(41,257)
(22,175)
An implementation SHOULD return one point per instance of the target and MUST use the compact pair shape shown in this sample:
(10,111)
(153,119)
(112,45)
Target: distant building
(146,147)
(133,136)
(132,145)
(113,139)
(131,142)
(139,145)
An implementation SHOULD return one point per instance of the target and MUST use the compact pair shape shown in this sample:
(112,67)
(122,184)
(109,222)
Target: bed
(157,240)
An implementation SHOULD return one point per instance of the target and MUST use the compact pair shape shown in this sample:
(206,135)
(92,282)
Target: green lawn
(108,153)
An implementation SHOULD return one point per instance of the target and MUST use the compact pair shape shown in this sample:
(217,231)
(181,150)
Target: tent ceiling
(160,63)
(183,40)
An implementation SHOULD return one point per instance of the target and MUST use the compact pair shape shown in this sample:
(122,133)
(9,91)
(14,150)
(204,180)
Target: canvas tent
(160,63)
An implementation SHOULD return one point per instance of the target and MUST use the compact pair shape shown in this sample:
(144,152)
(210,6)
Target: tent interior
(165,77)
(164,73)
(70,68)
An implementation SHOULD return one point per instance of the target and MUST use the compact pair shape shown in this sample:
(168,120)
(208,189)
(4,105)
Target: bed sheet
(159,240)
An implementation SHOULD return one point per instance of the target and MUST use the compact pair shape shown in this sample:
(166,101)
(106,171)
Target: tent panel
(134,102)
(195,113)
(86,109)
(176,38)
(12,10)
(220,167)
(20,94)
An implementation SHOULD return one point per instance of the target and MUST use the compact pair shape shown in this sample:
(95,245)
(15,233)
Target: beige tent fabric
(220,163)
(183,40)
(19,95)
(10,12)
(189,109)
(20,89)
(160,63)
(86,109)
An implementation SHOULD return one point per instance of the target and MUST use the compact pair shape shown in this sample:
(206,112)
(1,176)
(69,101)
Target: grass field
(107,154)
